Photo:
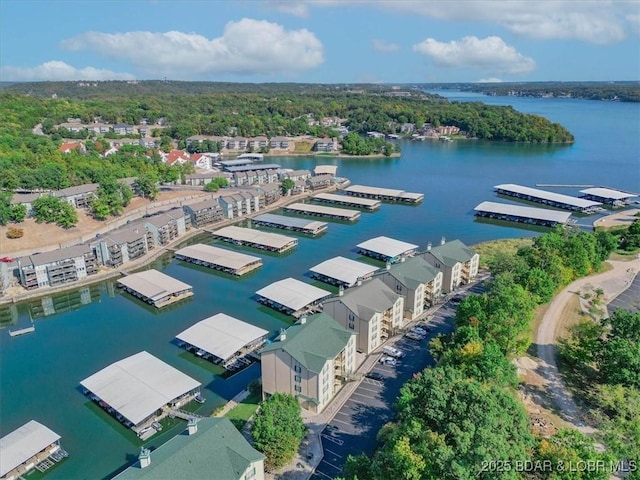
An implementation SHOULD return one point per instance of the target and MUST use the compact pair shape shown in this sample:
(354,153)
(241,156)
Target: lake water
(82,331)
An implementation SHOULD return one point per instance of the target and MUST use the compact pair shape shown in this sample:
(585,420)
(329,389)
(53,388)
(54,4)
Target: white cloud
(489,54)
(384,47)
(297,9)
(56,70)
(245,47)
(489,80)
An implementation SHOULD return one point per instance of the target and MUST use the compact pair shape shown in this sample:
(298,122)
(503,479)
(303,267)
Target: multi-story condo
(311,360)
(319,181)
(168,226)
(418,282)
(79,196)
(372,310)
(122,246)
(239,204)
(268,193)
(205,212)
(296,175)
(57,267)
(457,262)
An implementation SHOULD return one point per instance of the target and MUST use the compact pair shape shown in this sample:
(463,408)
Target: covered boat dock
(387,249)
(557,200)
(355,202)
(223,339)
(516,213)
(321,211)
(292,296)
(617,198)
(155,288)
(386,194)
(300,225)
(227,261)
(272,242)
(140,389)
(342,271)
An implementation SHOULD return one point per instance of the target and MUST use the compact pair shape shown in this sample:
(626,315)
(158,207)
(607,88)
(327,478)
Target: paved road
(629,299)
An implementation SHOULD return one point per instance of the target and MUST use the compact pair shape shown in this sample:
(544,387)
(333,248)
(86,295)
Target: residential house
(79,196)
(123,129)
(326,145)
(319,181)
(208,448)
(166,227)
(311,360)
(75,127)
(68,147)
(99,128)
(257,143)
(176,157)
(280,143)
(417,281)
(372,310)
(300,186)
(205,138)
(457,262)
(448,130)
(240,204)
(123,245)
(57,267)
(205,212)
(149,142)
(407,128)
(296,175)
(142,130)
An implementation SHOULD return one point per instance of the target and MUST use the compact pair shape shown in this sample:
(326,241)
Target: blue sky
(324,41)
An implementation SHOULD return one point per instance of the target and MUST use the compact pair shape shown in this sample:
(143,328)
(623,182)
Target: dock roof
(295,222)
(219,256)
(237,162)
(544,195)
(273,240)
(139,385)
(524,212)
(322,210)
(153,284)
(344,270)
(221,335)
(249,168)
(332,197)
(374,190)
(325,170)
(292,293)
(388,247)
(23,443)
(608,193)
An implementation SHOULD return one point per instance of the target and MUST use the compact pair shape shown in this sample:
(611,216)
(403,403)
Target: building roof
(250,235)
(292,293)
(524,212)
(332,197)
(161,219)
(290,221)
(544,195)
(153,284)
(23,443)
(237,162)
(452,252)
(368,299)
(125,235)
(217,447)
(248,168)
(218,256)
(387,247)
(344,270)
(53,256)
(413,272)
(325,169)
(139,385)
(312,343)
(18,198)
(608,193)
(204,205)
(322,210)
(77,190)
(221,335)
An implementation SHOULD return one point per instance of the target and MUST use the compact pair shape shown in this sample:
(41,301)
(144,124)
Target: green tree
(50,209)
(17,213)
(216,184)
(619,356)
(148,185)
(357,467)
(287,185)
(278,429)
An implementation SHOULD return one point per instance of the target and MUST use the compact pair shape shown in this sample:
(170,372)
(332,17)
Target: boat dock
(387,249)
(292,296)
(355,202)
(248,237)
(616,198)
(557,200)
(300,225)
(321,211)
(516,213)
(385,194)
(221,259)
(22,331)
(155,288)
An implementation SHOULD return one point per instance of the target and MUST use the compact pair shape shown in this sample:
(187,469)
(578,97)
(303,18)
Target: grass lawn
(508,245)
(240,414)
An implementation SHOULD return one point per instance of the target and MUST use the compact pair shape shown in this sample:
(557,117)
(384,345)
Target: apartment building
(205,212)
(239,204)
(168,226)
(123,245)
(57,267)
(457,262)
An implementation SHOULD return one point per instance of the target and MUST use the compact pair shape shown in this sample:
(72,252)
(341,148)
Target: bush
(14,232)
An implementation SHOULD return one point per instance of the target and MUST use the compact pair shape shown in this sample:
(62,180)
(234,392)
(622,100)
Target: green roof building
(457,262)
(310,360)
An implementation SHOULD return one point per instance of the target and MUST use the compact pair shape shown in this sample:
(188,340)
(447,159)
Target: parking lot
(629,299)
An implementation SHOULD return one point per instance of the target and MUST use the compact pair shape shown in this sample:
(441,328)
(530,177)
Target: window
(352,325)
(297,379)
(351,317)
(297,388)
(297,368)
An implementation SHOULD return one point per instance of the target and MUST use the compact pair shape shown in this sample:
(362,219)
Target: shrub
(14,232)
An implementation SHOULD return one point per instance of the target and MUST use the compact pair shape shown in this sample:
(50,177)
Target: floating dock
(155,288)
(387,249)
(342,271)
(221,259)
(22,331)
(386,194)
(617,198)
(348,201)
(292,296)
(557,200)
(248,237)
(300,225)
(516,213)
(321,211)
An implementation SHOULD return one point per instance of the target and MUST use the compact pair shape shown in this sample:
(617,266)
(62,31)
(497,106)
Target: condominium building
(457,262)
(205,212)
(124,245)
(168,226)
(57,267)
(239,204)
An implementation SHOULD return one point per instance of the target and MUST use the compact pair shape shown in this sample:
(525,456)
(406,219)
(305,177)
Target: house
(407,128)
(176,157)
(448,130)
(148,142)
(123,129)
(79,196)
(417,281)
(75,127)
(457,262)
(57,267)
(326,145)
(208,445)
(166,227)
(205,138)
(71,146)
(201,161)
(311,360)
(257,143)
(99,128)
(319,181)
(300,186)
(372,310)
(279,142)
(123,245)
(205,212)
(240,204)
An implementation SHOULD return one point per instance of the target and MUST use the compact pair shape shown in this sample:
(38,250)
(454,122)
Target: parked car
(414,336)
(393,352)
(375,376)
(419,331)
(387,360)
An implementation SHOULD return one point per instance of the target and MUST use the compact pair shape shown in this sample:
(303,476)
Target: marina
(221,259)
(617,198)
(155,288)
(387,249)
(557,200)
(342,271)
(292,296)
(386,194)
(299,225)
(355,202)
(322,211)
(516,213)
(249,237)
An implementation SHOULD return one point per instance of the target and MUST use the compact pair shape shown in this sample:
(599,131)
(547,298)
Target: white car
(387,360)
(419,331)
(414,336)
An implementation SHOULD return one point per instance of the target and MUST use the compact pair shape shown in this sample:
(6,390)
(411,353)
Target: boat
(157,426)
(444,138)
(200,399)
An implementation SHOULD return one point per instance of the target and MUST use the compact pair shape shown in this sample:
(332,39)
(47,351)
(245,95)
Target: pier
(271,242)
(616,198)
(221,259)
(355,202)
(292,296)
(299,225)
(386,194)
(155,288)
(515,213)
(320,211)
(557,200)
(22,331)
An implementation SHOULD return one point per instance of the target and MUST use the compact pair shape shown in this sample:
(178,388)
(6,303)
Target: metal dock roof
(222,335)
(383,192)
(524,212)
(23,443)
(292,293)
(550,196)
(250,235)
(218,256)
(306,208)
(139,385)
(295,223)
(387,247)
(153,284)
(608,193)
(344,270)
(368,203)
(248,168)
